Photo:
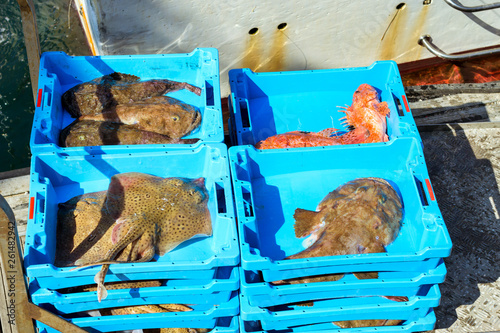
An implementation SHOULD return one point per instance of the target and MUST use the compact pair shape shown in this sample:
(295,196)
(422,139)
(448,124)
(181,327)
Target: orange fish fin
(116,233)
(383,109)
(306,222)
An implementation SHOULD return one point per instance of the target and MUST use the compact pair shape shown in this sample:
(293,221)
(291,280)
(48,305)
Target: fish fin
(383,109)
(117,230)
(99,279)
(366,275)
(123,77)
(102,293)
(306,222)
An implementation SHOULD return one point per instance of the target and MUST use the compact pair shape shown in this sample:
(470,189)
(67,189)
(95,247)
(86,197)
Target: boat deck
(460,130)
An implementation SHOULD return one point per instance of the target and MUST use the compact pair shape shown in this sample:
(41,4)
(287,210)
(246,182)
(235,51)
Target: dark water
(59,30)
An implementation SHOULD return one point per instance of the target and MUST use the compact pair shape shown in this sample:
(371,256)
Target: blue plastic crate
(211,291)
(265,104)
(350,308)
(223,325)
(56,178)
(202,316)
(264,294)
(67,281)
(60,72)
(419,325)
(270,184)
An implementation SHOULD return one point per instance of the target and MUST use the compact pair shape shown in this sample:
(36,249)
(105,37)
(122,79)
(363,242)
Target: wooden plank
(13,186)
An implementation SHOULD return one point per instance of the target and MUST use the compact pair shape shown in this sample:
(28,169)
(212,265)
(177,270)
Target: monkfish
(365,119)
(116,88)
(164,115)
(154,213)
(99,133)
(361,216)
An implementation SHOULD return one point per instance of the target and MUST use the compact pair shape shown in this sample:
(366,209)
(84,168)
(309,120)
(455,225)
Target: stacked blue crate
(202,272)
(60,72)
(270,184)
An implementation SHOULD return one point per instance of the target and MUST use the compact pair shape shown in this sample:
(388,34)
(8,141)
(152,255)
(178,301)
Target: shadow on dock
(462,160)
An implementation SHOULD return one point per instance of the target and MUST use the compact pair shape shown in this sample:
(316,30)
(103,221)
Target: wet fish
(362,323)
(365,118)
(116,88)
(162,114)
(361,216)
(84,230)
(113,286)
(98,133)
(296,139)
(150,308)
(366,113)
(156,213)
(367,323)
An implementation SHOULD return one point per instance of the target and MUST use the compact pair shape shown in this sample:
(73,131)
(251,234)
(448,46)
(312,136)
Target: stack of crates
(269,185)
(202,272)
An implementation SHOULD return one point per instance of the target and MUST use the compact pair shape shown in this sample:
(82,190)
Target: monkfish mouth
(196,120)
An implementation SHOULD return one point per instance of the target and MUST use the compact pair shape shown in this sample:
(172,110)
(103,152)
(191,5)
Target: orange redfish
(366,115)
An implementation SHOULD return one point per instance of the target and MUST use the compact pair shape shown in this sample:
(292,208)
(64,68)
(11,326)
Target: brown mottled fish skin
(101,133)
(164,115)
(359,323)
(150,308)
(113,286)
(84,230)
(325,278)
(116,88)
(361,216)
(159,212)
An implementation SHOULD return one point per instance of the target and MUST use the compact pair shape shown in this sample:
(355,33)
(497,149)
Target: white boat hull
(318,34)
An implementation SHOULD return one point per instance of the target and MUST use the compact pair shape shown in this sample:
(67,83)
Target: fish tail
(102,293)
(99,279)
(192,89)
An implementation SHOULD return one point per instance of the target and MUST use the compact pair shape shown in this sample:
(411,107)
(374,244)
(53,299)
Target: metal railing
(426,41)
(463,8)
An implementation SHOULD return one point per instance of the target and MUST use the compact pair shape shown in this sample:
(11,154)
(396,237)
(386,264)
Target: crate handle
(246,194)
(422,190)
(209,92)
(221,198)
(245,118)
(399,107)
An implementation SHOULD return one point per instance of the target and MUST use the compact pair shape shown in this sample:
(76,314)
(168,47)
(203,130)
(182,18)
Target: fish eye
(175,118)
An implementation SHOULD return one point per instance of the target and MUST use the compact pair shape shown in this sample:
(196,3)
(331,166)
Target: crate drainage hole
(282,26)
(253,31)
